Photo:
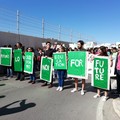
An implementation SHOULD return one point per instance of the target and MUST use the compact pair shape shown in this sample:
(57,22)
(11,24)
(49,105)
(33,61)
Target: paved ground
(23,101)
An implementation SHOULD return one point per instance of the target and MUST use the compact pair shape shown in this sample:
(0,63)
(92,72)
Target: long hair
(104,51)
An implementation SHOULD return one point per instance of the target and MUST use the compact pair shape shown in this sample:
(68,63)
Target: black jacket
(116,71)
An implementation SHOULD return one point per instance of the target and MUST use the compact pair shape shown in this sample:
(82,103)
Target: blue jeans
(61,74)
(32,77)
(9,72)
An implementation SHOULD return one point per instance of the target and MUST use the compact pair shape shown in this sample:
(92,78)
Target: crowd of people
(113,53)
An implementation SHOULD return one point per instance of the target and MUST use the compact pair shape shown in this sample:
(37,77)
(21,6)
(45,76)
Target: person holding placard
(20,75)
(48,53)
(10,68)
(80,45)
(102,52)
(61,73)
(39,55)
(32,76)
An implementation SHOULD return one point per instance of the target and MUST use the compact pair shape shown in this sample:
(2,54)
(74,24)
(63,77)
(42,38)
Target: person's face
(18,45)
(106,48)
(79,45)
(29,50)
(99,51)
(92,51)
(119,48)
(55,45)
(114,51)
(48,45)
(40,51)
(61,50)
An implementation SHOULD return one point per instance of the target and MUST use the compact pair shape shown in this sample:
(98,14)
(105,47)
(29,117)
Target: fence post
(71,35)
(18,25)
(59,36)
(43,27)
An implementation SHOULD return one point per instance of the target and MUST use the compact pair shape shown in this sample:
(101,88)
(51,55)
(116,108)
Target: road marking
(99,114)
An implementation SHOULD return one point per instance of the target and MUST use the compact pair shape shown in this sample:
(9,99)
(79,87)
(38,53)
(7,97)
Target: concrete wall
(7,38)
(27,41)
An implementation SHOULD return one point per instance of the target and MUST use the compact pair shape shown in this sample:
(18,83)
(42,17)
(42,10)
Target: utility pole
(18,24)
(71,35)
(59,36)
(43,27)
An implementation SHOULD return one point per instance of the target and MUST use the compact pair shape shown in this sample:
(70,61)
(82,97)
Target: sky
(99,20)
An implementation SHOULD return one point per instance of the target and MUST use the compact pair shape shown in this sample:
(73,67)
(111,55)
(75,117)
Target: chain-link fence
(16,22)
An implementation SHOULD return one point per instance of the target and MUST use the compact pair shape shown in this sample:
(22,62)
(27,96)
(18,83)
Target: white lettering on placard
(28,62)
(99,70)
(17,59)
(58,57)
(99,76)
(45,67)
(28,66)
(100,63)
(28,57)
(76,62)
(59,63)
(4,56)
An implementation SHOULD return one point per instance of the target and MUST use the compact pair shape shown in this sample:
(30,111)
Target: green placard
(46,69)
(18,60)
(77,64)
(101,73)
(28,63)
(5,56)
(59,60)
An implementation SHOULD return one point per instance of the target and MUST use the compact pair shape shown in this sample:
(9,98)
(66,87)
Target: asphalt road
(20,100)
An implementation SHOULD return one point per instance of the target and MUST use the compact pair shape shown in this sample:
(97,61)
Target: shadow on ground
(2,84)
(23,106)
(2,96)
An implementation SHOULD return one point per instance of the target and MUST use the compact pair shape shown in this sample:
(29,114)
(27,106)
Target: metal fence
(16,22)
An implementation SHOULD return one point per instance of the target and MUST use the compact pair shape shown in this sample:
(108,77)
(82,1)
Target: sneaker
(44,84)
(104,98)
(61,88)
(50,86)
(17,79)
(96,96)
(9,78)
(30,81)
(58,88)
(21,79)
(33,82)
(82,92)
(74,90)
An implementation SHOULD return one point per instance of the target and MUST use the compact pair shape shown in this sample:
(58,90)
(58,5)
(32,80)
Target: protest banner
(77,64)
(28,63)
(5,56)
(18,60)
(59,61)
(101,73)
(46,69)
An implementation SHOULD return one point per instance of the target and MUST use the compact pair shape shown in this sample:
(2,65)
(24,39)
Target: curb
(116,106)
(99,114)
